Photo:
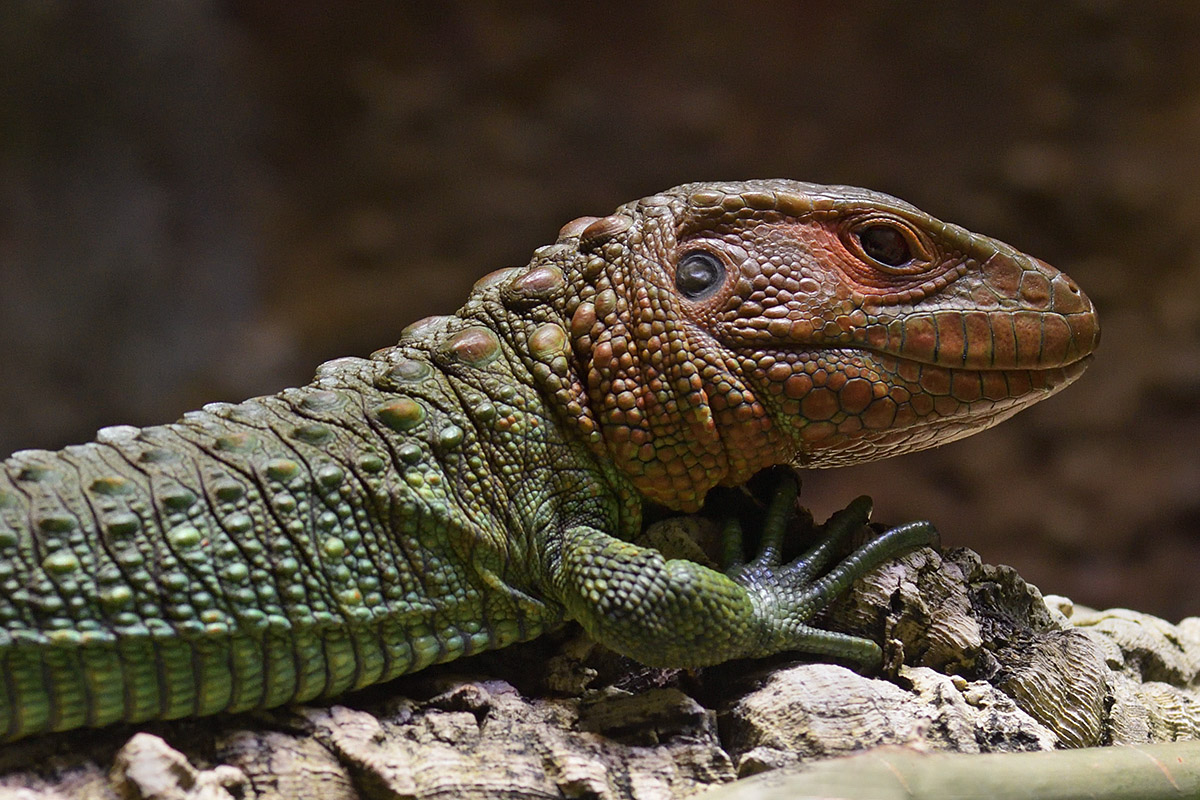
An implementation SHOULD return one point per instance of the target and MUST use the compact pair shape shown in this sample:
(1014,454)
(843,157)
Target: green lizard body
(480,481)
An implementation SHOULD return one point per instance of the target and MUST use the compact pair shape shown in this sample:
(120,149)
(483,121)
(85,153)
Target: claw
(889,544)
(838,530)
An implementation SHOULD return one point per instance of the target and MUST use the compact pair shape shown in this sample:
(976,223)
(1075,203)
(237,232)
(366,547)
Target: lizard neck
(598,331)
(647,392)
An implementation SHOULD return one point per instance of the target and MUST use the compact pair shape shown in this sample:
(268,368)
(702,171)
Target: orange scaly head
(722,328)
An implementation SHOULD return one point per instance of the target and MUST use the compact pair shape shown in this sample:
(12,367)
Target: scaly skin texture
(480,481)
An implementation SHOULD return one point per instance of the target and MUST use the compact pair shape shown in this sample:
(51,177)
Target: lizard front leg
(672,612)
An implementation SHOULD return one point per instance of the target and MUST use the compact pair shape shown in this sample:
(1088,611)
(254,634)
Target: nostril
(1068,297)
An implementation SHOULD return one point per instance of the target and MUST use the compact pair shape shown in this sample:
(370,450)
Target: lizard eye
(885,244)
(699,275)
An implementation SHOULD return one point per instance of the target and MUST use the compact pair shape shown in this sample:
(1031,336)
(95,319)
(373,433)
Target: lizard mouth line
(1070,369)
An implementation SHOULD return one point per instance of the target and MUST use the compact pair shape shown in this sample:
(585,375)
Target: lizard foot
(789,594)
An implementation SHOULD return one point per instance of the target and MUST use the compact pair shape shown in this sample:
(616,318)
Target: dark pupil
(699,275)
(885,244)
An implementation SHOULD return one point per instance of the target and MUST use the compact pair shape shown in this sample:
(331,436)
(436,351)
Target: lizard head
(722,328)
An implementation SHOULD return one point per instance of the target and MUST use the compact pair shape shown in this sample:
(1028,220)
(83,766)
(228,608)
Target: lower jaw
(909,433)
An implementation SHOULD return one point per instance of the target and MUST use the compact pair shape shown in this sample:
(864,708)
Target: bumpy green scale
(483,479)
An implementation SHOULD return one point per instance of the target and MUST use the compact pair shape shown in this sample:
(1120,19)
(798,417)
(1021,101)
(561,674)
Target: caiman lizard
(481,481)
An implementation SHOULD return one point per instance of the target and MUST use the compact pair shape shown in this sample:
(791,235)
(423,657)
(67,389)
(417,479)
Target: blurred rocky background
(204,200)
